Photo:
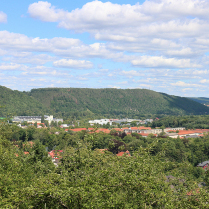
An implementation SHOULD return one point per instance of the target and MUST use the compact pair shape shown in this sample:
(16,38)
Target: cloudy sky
(162,45)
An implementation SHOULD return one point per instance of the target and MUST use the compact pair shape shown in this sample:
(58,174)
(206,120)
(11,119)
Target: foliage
(160,173)
(18,103)
(189,122)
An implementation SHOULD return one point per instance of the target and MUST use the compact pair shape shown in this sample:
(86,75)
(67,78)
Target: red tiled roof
(41,123)
(134,128)
(117,129)
(187,132)
(103,130)
(146,128)
(122,153)
(55,154)
(91,129)
(78,129)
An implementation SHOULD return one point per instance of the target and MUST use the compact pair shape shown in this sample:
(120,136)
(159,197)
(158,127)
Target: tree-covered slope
(80,102)
(18,103)
(122,102)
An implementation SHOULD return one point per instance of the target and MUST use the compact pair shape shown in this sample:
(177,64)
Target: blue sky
(162,45)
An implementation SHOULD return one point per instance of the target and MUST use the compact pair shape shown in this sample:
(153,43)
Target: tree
(42,119)
(116,146)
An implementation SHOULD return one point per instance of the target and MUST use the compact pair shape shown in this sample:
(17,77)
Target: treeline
(189,122)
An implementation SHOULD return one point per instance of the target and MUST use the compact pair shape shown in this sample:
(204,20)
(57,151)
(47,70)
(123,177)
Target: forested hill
(114,102)
(80,102)
(18,103)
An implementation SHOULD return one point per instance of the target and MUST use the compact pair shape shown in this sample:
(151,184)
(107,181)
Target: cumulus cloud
(11,66)
(22,42)
(67,47)
(3,17)
(45,11)
(164,18)
(161,42)
(114,15)
(73,64)
(204,81)
(154,61)
(165,27)
(39,59)
(183,84)
(131,73)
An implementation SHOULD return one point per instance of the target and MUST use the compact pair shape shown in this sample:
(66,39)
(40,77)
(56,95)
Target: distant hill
(81,102)
(202,100)
(114,102)
(18,103)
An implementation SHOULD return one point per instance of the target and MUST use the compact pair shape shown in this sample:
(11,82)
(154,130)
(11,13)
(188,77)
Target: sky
(161,45)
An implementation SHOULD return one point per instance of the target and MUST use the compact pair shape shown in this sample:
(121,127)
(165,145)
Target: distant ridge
(115,102)
(202,100)
(85,102)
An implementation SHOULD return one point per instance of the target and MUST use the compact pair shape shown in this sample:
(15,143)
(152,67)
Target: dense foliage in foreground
(88,178)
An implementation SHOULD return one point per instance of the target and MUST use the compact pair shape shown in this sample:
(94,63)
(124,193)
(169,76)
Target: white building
(101,122)
(35,119)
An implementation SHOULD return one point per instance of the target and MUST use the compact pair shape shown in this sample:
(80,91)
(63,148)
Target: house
(35,119)
(101,122)
(56,156)
(203,165)
(174,129)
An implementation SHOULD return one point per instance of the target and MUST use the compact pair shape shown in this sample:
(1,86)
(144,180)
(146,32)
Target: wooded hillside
(80,102)
(114,102)
(18,103)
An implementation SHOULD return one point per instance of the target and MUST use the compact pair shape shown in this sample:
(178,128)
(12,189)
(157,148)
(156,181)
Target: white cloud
(187,89)
(45,11)
(173,28)
(82,78)
(66,47)
(29,58)
(204,81)
(154,61)
(3,17)
(11,66)
(183,84)
(132,73)
(73,64)
(96,14)
(22,42)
